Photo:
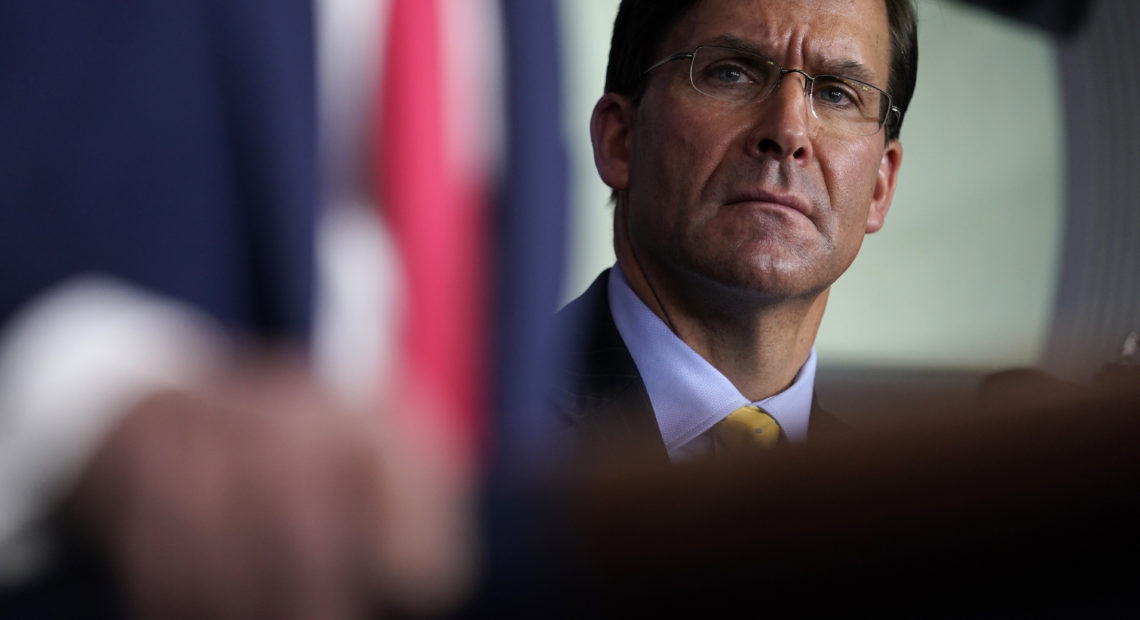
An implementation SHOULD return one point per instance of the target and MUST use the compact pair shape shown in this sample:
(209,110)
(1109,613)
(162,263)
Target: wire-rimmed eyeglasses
(739,76)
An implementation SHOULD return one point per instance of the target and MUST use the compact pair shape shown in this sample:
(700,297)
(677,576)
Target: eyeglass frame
(809,80)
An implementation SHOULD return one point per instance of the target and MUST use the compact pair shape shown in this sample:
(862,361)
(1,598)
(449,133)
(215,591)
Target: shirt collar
(688,394)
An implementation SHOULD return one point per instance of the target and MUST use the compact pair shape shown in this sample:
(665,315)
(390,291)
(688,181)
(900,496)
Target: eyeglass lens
(737,76)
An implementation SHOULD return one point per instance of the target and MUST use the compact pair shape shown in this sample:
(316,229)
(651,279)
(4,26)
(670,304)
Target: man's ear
(885,182)
(611,132)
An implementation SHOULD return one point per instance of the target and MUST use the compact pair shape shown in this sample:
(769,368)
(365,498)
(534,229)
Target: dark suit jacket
(169,144)
(600,394)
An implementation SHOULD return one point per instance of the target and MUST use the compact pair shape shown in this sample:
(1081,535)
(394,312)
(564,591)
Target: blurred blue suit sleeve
(168,143)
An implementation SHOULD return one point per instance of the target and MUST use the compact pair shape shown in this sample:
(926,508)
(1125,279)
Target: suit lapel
(823,425)
(600,394)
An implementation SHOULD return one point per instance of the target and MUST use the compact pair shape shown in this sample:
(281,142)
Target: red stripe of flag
(436,213)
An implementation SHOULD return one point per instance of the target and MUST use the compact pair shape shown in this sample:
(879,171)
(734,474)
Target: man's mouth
(763,197)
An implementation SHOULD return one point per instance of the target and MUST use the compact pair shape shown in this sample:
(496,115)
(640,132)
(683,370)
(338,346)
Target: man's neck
(759,345)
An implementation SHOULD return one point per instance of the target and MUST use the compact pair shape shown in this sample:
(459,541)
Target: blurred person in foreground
(750,146)
(172,443)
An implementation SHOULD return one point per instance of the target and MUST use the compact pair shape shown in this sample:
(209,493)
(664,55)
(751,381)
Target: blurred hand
(259,498)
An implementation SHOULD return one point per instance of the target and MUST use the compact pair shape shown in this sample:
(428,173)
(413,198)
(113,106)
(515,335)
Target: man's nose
(783,121)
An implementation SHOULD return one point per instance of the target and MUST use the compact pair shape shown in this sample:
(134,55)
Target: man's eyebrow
(728,40)
(848,68)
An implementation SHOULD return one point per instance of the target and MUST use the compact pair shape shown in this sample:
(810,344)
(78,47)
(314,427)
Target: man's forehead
(825,31)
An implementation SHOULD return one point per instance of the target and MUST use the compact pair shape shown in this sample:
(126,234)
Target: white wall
(586,29)
(964,272)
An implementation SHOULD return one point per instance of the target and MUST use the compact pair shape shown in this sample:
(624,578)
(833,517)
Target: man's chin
(763,281)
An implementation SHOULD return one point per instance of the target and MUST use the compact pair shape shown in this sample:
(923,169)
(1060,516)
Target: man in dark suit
(750,146)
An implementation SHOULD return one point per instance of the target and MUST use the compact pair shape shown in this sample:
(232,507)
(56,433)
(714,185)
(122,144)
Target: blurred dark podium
(1028,505)
(1025,506)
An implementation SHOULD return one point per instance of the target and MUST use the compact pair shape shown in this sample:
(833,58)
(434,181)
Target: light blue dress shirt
(688,394)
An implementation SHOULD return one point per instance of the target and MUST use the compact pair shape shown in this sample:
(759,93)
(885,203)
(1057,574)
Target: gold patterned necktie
(749,427)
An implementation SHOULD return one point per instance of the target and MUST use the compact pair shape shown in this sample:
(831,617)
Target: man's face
(759,197)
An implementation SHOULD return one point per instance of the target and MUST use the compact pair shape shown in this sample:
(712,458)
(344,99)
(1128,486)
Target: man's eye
(836,94)
(729,74)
